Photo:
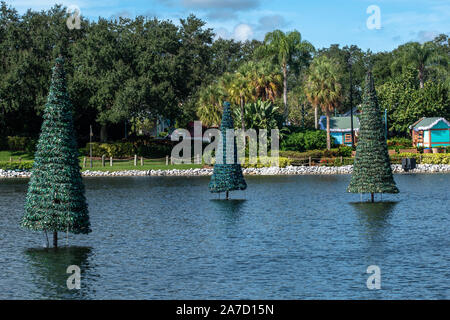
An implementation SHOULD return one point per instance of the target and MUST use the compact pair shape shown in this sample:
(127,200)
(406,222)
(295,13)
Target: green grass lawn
(15,155)
(129,165)
(118,165)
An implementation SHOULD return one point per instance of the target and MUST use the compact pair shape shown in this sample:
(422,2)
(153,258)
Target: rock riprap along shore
(290,170)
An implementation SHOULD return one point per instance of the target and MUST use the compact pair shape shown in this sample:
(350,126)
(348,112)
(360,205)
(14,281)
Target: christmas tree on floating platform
(55,199)
(372,171)
(227,176)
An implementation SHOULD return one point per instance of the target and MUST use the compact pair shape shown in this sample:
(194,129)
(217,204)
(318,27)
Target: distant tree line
(123,70)
(116,69)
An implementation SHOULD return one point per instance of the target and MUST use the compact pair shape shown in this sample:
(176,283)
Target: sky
(376,25)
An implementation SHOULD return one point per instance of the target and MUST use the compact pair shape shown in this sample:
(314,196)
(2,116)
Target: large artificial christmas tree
(55,200)
(372,171)
(227,176)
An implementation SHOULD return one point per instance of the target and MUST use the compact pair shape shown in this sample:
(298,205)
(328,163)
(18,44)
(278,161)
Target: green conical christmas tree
(372,171)
(227,176)
(55,200)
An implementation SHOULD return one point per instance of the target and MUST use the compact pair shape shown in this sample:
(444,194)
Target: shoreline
(267,171)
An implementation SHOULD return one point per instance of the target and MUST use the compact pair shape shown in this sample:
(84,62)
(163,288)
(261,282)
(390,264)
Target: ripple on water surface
(285,237)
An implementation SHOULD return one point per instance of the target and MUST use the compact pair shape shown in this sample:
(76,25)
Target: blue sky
(322,22)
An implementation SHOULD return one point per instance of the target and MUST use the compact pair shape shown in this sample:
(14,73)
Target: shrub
(16,165)
(21,144)
(148,148)
(311,153)
(399,143)
(115,150)
(163,134)
(345,151)
(267,162)
(3,143)
(154,150)
(305,140)
(429,158)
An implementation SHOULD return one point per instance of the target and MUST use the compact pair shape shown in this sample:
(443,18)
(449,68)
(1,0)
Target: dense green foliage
(288,51)
(21,144)
(305,140)
(129,71)
(55,199)
(16,165)
(323,88)
(372,171)
(116,149)
(406,102)
(397,143)
(433,158)
(227,176)
(262,162)
(341,151)
(260,115)
(119,70)
(147,148)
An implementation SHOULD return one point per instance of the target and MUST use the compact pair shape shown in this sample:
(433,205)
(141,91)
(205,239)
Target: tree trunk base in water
(226,195)
(55,239)
(372,197)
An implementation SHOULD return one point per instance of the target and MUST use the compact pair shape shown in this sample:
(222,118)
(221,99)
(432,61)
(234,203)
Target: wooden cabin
(430,132)
(340,128)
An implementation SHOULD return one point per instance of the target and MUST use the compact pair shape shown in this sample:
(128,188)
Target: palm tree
(283,48)
(265,80)
(421,56)
(323,88)
(239,89)
(260,115)
(209,105)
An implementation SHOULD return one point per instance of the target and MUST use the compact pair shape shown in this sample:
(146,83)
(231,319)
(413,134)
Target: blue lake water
(286,237)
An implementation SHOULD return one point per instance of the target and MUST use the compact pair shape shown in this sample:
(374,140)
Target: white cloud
(424,36)
(242,32)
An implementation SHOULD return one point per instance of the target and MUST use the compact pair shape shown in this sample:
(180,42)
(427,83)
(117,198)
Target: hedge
(342,151)
(143,148)
(399,142)
(305,140)
(21,144)
(428,158)
(267,162)
(15,165)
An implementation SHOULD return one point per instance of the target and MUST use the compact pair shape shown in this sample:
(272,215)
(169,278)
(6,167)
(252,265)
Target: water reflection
(48,269)
(375,217)
(231,208)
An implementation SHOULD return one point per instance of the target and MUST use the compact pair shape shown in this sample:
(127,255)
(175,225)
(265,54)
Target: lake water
(286,237)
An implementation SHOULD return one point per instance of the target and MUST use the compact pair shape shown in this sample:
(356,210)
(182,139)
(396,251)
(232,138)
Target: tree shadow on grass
(48,268)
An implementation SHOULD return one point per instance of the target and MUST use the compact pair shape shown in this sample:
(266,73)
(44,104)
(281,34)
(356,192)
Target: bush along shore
(266,171)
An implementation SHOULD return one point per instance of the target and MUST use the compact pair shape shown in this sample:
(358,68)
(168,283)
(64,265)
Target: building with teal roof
(430,132)
(340,128)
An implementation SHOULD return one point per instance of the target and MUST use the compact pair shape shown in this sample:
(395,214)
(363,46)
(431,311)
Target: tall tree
(265,80)
(28,45)
(285,49)
(226,176)
(55,200)
(406,103)
(239,89)
(420,56)
(323,88)
(372,171)
(209,105)
(358,71)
